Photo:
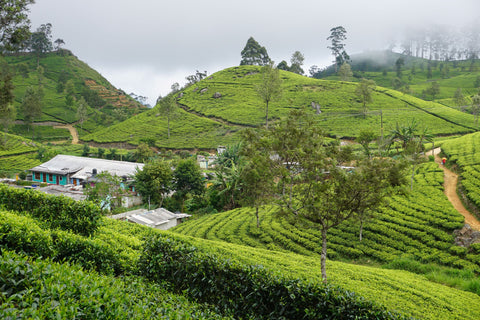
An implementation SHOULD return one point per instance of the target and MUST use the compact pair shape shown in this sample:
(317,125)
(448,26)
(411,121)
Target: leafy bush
(81,217)
(36,289)
(23,234)
(245,290)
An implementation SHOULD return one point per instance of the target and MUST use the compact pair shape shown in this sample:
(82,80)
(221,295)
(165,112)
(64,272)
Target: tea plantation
(198,269)
(215,109)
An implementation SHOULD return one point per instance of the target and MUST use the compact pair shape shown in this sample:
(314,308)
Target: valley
(406,264)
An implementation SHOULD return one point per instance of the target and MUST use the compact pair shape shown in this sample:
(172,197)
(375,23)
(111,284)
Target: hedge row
(81,217)
(38,289)
(24,235)
(247,291)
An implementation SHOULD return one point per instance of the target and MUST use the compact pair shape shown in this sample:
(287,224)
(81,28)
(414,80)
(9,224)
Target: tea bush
(82,217)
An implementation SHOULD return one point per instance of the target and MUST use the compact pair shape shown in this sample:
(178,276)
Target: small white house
(159,218)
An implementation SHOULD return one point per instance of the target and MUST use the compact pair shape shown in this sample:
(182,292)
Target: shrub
(245,290)
(80,217)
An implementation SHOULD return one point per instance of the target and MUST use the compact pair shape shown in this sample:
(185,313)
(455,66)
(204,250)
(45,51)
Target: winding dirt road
(450,187)
(73,131)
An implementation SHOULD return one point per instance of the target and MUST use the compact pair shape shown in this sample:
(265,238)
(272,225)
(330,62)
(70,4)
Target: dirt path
(72,130)
(450,186)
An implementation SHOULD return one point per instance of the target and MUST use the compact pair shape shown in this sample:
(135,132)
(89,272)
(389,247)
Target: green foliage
(419,223)
(107,192)
(270,88)
(187,179)
(206,122)
(154,181)
(464,152)
(81,217)
(396,290)
(60,68)
(40,289)
(364,92)
(14,26)
(254,54)
(248,291)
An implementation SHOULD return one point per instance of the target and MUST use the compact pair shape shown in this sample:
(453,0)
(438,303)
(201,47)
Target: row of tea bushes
(81,217)
(41,289)
(26,235)
(249,291)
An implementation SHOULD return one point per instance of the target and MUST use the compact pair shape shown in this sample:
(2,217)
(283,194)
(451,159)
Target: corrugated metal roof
(83,166)
(155,217)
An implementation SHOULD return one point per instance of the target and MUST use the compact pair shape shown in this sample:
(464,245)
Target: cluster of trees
(160,180)
(255,54)
(14,31)
(441,43)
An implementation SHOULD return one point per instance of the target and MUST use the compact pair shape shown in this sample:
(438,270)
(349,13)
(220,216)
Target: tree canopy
(14,24)
(154,181)
(337,37)
(254,54)
(315,188)
(270,89)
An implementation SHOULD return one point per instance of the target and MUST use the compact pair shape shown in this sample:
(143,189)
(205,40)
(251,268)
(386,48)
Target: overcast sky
(144,46)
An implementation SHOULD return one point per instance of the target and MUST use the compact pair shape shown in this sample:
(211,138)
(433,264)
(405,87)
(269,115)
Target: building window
(37,176)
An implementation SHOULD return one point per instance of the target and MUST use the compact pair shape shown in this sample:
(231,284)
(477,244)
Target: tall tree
(283,65)
(41,40)
(345,72)
(459,98)
(297,62)
(31,107)
(321,194)
(82,111)
(399,65)
(433,90)
(169,109)
(364,92)
(256,178)
(14,24)
(7,109)
(270,88)
(254,54)
(337,37)
(154,181)
(187,180)
(59,43)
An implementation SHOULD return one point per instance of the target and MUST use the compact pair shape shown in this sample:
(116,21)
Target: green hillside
(464,154)
(209,118)
(417,227)
(116,247)
(17,154)
(417,73)
(106,104)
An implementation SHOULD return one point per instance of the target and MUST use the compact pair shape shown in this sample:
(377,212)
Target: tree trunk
(323,256)
(258,220)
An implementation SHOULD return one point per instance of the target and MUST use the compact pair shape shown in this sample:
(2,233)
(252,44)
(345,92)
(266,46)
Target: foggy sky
(144,46)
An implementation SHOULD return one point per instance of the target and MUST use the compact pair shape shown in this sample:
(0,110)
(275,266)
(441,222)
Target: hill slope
(121,243)
(228,100)
(106,104)
(417,73)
